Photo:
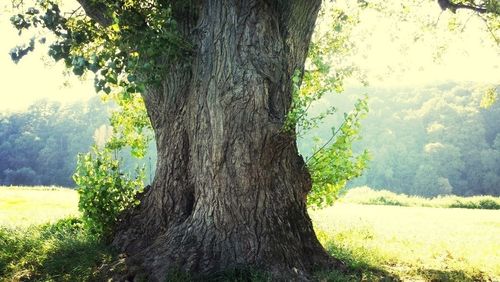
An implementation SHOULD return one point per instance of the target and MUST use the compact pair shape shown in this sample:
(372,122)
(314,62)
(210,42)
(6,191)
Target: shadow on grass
(362,266)
(78,261)
(243,274)
(452,275)
(356,270)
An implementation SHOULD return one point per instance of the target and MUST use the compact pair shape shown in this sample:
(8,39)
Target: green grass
(42,239)
(378,243)
(61,251)
(367,196)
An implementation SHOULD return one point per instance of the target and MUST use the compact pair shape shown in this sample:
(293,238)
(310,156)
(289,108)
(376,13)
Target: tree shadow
(358,268)
(62,251)
(75,261)
(453,275)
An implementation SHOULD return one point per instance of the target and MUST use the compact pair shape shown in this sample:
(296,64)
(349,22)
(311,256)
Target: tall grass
(62,251)
(368,196)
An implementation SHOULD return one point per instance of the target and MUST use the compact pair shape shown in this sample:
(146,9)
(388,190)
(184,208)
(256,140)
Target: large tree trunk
(230,187)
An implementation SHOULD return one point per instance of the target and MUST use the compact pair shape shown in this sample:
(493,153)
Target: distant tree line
(432,141)
(427,141)
(40,146)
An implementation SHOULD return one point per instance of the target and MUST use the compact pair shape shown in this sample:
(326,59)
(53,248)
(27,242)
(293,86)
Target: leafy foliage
(104,190)
(131,126)
(325,71)
(124,55)
(334,163)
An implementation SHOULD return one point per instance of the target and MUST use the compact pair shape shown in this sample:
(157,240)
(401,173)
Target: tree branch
(96,11)
(497,40)
(453,7)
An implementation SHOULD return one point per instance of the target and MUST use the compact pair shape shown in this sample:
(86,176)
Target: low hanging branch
(97,11)
(453,7)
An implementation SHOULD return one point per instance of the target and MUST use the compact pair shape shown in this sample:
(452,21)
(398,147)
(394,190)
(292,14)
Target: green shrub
(334,163)
(368,196)
(477,202)
(489,204)
(105,191)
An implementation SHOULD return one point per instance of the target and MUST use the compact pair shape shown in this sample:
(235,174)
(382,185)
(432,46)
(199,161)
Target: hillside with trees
(40,146)
(431,140)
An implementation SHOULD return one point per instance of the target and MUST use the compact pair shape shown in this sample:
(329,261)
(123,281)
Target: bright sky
(35,77)
(388,61)
(398,59)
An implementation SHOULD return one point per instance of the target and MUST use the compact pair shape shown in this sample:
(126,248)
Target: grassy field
(414,243)
(378,243)
(22,206)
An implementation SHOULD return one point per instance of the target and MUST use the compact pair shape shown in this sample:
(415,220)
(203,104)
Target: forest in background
(426,141)
(40,146)
(433,141)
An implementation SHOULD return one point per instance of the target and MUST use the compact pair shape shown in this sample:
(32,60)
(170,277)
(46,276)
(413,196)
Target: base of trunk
(281,248)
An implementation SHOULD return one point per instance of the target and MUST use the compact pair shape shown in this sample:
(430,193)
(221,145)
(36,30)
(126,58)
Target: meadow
(24,206)
(42,239)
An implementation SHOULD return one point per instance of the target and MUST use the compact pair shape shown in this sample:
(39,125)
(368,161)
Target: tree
(230,187)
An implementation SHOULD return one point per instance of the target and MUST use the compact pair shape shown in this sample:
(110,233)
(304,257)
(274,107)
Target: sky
(35,77)
(396,55)
(388,54)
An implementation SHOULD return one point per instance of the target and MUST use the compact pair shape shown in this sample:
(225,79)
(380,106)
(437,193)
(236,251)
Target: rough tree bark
(230,187)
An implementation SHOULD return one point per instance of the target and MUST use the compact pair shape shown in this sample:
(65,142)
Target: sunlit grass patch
(426,244)
(23,206)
